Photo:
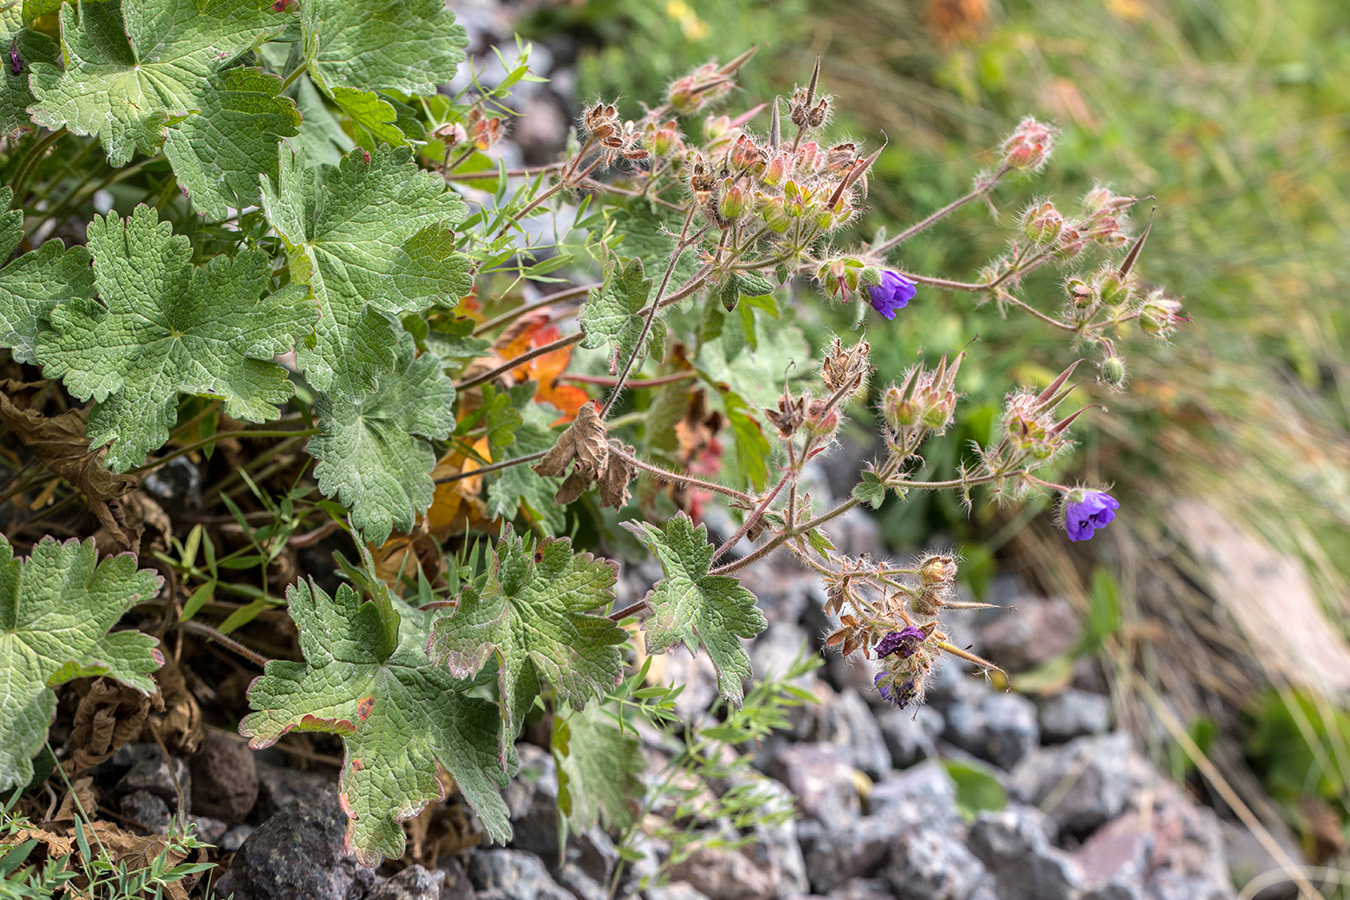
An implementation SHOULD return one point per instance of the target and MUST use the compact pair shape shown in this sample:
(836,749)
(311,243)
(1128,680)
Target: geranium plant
(257,228)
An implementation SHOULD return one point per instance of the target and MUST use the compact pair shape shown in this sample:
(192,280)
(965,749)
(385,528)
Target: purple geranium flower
(900,696)
(1083,517)
(906,640)
(894,292)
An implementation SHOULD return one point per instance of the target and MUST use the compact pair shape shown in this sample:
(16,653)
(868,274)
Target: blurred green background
(1235,116)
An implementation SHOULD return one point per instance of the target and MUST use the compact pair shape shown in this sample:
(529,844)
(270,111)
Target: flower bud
(773,212)
(715,128)
(1070,244)
(1113,371)
(899,412)
(808,156)
(1161,315)
(1081,294)
(1113,289)
(1029,146)
(733,203)
(777,169)
(1041,223)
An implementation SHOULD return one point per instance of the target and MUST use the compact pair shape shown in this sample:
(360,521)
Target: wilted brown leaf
(109,716)
(59,442)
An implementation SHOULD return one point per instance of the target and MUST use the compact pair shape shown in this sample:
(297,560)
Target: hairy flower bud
(1111,287)
(1113,371)
(733,203)
(1081,294)
(899,411)
(1028,147)
(1160,315)
(778,168)
(1041,223)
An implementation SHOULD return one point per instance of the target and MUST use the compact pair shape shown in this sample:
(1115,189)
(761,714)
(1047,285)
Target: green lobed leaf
(389,45)
(55,611)
(219,154)
(371,237)
(375,452)
(30,46)
(533,615)
(695,608)
(397,715)
(369,111)
(600,769)
(166,327)
(870,489)
(610,315)
(33,283)
(135,67)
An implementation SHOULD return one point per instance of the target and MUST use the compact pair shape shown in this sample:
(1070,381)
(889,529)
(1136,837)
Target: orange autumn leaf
(454,507)
(530,332)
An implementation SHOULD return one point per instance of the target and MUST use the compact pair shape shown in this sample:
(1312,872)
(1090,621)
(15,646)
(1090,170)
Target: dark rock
(234,838)
(152,776)
(224,778)
(299,852)
(595,853)
(776,848)
(582,886)
(932,864)
(279,787)
(846,721)
(923,795)
(512,875)
(1073,713)
(176,483)
(532,800)
(146,811)
(910,734)
(951,686)
(1091,777)
(998,727)
(836,854)
(1038,630)
(456,885)
(1013,846)
(823,779)
(209,829)
(777,648)
(413,883)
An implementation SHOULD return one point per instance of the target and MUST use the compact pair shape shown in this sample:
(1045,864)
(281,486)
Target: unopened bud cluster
(923,403)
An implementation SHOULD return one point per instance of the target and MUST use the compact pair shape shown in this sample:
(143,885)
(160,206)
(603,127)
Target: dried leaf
(60,442)
(584,443)
(109,716)
(178,722)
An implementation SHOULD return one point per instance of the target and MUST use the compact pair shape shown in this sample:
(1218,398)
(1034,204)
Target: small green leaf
(375,452)
(532,615)
(695,608)
(56,608)
(977,789)
(610,315)
(366,678)
(164,328)
(371,112)
(870,489)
